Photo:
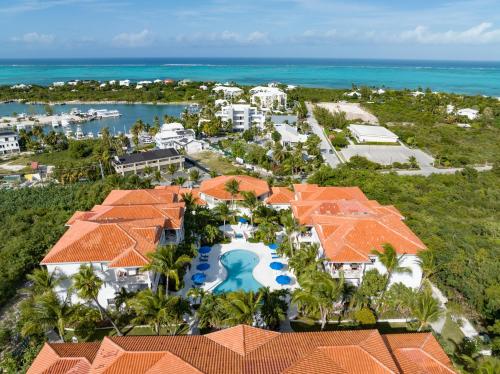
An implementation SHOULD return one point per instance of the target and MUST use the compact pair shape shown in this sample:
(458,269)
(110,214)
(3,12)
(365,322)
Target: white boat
(55,123)
(103,113)
(90,135)
(68,133)
(65,122)
(79,133)
(75,112)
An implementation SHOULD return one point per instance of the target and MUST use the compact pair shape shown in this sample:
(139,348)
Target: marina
(88,118)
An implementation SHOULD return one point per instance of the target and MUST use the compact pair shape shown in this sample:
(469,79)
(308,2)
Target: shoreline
(98,102)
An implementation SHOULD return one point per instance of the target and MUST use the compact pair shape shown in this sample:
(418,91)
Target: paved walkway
(333,159)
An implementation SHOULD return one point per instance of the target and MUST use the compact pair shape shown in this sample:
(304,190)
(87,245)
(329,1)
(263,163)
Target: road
(331,158)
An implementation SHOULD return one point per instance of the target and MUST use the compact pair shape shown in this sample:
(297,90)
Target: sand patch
(353,111)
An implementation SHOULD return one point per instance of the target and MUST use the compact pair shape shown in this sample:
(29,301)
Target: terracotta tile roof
(142,197)
(280,195)
(64,358)
(215,187)
(244,349)
(87,241)
(314,192)
(348,239)
(418,353)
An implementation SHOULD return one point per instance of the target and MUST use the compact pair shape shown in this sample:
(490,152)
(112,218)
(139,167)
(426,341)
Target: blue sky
(424,29)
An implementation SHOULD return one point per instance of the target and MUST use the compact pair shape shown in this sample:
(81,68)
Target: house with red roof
(116,238)
(347,227)
(245,349)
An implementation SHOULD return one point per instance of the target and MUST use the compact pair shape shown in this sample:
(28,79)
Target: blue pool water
(239,264)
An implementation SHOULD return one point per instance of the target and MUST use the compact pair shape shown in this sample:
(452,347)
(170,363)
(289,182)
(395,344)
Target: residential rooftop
(245,349)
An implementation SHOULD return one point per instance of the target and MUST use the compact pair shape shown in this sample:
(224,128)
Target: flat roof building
(158,159)
(372,134)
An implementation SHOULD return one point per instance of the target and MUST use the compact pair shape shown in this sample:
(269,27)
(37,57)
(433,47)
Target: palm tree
(274,307)
(189,200)
(158,310)
(157,176)
(212,311)
(171,169)
(223,211)
(194,176)
(122,297)
(427,262)
(43,281)
(305,259)
(242,307)
(233,187)
(136,129)
(179,181)
(46,311)
(87,285)
(392,263)
(251,202)
(291,228)
(165,261)
(211,233)
(426,309)
(319,293)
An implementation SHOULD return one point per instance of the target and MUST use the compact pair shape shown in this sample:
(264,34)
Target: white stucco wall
(410,280)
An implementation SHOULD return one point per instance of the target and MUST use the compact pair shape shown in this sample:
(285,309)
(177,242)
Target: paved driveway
(387,154)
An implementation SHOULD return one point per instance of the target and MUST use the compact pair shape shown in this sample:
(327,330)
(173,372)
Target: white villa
(289,135)
(471,114)
(9,142)
(228,92)
(173,135)
(372,134)
(124,83)
(268,98)
(243,116)
(116,236)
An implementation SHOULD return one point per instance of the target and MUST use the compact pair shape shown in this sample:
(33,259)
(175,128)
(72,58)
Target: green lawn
(215,162)
(451,334)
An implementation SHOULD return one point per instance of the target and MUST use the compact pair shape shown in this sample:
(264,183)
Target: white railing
(348,274)
(132,279)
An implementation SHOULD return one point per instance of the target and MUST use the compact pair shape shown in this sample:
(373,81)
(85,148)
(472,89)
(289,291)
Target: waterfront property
(9,142)
(158,159)
(242,116)
(290,136)
(245,349)
(372,134)
(171,134)
(228,92)
(116,237)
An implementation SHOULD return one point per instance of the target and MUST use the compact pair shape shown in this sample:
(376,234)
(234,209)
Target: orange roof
(280,196)
(245,349)
(143,197)
(215,187)
(87,241)
(64,358)
(351,239)
(314,192)
(418,353)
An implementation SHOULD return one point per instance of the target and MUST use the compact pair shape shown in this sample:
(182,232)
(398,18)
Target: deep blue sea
(451,76)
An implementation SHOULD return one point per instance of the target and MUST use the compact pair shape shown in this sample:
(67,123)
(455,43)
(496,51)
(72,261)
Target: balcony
(306,237)
(131,279)
(348,273)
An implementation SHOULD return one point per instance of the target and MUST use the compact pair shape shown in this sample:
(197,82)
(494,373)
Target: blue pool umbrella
(242,220)
(205,249)
(202,267)
(198,278)
(273,246)
(283,279)
(276,265)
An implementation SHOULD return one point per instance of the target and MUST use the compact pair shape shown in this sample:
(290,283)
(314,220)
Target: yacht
(65,122)
(68,132)
(55,123)
(75,112)
(90,135)
(103,113)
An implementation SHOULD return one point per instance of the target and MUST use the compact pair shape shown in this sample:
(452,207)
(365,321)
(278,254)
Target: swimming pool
(239,264)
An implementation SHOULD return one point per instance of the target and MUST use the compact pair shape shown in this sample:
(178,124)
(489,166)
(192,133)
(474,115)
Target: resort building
(281,198)
(158,159)
(244,349)
(170,133)
(9,142)
(228,92)
(268,98)
(347,227)
(471,114)
(243,116)
(290,137)
(372,134)
(116,237)
(124,83)
(213,191)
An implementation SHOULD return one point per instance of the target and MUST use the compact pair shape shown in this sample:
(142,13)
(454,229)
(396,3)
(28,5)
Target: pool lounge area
(238,265)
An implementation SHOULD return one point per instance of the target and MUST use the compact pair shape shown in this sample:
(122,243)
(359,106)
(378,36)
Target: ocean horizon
(464,77)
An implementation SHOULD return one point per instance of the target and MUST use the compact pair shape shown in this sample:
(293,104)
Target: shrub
(365,316)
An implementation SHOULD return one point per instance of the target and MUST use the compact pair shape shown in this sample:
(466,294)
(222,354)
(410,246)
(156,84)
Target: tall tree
(274,307)
(43,281)
(232,186)
(166,262)
(426,309)
(194,176)
(87,285)
(251,202)
(242,307)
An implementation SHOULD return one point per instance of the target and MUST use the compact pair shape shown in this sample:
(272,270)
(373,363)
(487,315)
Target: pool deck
(218,273)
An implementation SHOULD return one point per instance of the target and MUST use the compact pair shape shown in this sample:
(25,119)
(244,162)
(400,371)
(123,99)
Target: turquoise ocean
(472,78)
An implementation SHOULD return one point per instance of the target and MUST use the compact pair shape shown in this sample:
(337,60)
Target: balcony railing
(132,279)
(348,273)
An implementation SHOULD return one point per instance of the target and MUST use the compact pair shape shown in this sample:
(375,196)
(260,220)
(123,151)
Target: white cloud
(484,33)
(133,40)
(224,38)
(34,38)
